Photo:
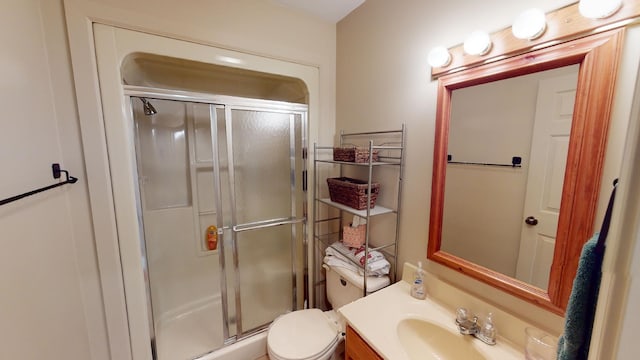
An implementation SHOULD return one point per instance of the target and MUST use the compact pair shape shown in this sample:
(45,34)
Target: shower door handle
(267,223)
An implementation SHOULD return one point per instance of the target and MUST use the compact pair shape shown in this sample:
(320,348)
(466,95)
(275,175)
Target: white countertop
(376,318)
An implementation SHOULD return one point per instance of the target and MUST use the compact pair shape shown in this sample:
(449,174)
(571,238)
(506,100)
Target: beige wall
(51,302)
(384,80)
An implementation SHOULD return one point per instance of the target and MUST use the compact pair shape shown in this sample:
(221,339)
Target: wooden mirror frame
(598,58)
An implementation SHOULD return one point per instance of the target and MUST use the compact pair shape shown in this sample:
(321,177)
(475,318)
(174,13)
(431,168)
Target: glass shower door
(177,205)
(222,210)
(265,149)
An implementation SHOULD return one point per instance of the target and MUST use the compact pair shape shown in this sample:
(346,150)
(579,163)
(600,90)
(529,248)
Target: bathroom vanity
(390,324)
(357,348)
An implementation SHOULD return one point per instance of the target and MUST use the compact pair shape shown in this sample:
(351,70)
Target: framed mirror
(489,154)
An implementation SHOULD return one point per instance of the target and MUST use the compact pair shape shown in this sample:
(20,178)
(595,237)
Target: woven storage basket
(353,154)
(352,192)
(354,237)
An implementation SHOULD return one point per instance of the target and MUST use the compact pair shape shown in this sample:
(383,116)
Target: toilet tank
(345,286)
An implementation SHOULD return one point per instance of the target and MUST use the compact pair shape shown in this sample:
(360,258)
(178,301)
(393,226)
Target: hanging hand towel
(574,343)
(581,310)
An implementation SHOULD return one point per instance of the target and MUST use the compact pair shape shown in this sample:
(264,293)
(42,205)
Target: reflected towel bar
(55,168)
(516,161)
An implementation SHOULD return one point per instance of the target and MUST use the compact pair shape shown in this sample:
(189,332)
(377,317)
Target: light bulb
(439,56)
(478,43)
(529,25)
(598,9)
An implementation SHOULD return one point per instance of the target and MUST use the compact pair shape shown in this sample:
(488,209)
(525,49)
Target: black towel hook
(55,169)
(604,229)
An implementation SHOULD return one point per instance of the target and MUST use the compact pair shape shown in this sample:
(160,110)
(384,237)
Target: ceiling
(330,10)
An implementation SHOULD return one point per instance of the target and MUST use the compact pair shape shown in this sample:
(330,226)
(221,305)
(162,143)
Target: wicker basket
(353,154)
(352,192)
(354,237)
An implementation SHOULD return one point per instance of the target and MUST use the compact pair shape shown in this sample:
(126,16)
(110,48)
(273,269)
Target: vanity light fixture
(439,56)
(598,9)
(529,25)
(478,43)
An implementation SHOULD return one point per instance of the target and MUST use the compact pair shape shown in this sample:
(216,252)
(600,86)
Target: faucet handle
(462,315)
(488,331)
(466,325)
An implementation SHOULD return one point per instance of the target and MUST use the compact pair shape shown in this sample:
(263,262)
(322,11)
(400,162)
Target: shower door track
(237,103)
(233,101)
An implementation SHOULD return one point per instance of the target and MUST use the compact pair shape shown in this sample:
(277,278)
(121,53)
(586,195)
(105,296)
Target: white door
(549,147)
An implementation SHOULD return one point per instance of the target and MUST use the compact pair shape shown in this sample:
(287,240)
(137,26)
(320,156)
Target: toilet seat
(302,335)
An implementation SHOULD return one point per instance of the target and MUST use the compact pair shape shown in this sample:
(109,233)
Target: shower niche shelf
(382,220)
(201,174)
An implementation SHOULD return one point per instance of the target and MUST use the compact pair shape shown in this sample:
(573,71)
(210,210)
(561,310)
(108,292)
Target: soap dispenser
(417,288)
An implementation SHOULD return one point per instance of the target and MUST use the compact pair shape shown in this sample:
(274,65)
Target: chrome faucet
(468,325)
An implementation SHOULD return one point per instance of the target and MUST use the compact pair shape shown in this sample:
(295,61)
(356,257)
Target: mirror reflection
(497,215)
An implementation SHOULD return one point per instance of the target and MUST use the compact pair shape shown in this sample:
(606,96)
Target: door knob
(530,220)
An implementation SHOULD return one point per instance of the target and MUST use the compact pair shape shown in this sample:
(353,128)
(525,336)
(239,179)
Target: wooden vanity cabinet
(357,349)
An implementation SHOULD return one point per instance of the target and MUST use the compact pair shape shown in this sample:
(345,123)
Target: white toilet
(312,334)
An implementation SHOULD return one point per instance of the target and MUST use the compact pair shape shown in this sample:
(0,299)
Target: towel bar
(516,161)
(55,169)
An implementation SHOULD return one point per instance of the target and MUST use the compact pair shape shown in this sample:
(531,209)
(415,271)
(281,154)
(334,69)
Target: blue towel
(574,343)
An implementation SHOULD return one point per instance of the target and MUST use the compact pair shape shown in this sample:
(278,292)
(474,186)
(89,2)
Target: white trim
(98,180)
(109,187)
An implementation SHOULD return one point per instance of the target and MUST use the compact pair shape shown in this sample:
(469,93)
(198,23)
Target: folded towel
(381,268)
(337,261)
(574,343)
(376,263)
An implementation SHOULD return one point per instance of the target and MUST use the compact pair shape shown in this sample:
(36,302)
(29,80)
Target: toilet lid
(301,334)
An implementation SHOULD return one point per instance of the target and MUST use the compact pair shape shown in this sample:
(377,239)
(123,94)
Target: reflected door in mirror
(549,150)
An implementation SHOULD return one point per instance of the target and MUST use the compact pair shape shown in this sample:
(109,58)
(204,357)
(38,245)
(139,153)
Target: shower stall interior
(222,207)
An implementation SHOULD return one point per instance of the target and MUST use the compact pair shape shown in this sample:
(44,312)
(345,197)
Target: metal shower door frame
(237,228)
(230,103)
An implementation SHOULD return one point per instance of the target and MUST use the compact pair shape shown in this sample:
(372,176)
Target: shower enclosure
(222,208)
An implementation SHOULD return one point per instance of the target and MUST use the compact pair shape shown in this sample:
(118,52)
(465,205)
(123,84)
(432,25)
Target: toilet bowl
(303,334)
(312,334)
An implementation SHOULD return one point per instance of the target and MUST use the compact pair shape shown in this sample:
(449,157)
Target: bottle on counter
(417,288)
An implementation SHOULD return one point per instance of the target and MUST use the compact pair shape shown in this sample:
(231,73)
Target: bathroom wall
(51,302)
(384,80)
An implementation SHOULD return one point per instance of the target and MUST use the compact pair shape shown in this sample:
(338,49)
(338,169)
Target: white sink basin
(400,327)
(424,340)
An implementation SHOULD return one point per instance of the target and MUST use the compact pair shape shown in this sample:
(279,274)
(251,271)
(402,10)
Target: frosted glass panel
(264,258)
(163,166)
(262,164)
